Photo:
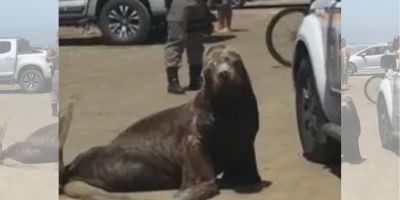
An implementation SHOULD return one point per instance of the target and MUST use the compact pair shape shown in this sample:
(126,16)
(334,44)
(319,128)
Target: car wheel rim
(309,119)
(31,82)
(123,21)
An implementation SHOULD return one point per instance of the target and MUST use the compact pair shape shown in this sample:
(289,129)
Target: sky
(35,20)
(370,21)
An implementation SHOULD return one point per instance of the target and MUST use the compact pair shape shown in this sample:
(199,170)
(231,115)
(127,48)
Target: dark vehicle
(120,21)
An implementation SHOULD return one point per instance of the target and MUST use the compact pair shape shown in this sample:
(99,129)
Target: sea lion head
(224,71)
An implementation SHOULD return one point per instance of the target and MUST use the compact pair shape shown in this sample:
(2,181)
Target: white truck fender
(32,61)
(310,34)
(386,90)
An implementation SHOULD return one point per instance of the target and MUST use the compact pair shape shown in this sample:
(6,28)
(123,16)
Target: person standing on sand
(187,22)
(225,12)
(52,56)
(345,56)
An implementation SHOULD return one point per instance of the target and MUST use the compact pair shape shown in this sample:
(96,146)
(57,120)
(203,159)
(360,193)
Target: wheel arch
(385,93)
(29,67)
(301,52)
(100,4)
(355,66)
(310,40)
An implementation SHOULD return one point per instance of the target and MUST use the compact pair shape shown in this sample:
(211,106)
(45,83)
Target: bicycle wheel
(281,33)
(371,87)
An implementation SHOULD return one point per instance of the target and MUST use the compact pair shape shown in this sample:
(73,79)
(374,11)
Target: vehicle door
(7,59)
(72,9)
(372,56)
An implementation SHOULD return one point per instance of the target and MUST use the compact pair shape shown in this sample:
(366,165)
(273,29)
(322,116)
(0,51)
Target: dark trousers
(54,94)
(178,40)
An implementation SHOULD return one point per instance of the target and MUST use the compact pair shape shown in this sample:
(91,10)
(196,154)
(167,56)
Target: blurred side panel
(29,100)
(370,101)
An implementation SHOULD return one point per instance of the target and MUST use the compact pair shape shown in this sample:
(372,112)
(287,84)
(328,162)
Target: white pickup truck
(316,75)
(388,106)
(23,65)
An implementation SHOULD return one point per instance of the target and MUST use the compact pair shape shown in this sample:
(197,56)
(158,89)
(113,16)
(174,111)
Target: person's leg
(221,19)
(342,77)
(176,43)
(195,51)
(346,74)
(229,12)
(226,10)
(54,94)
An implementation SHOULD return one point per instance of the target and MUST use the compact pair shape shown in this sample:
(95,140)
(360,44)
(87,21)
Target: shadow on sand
(155,38)
(281,5)
(253,188)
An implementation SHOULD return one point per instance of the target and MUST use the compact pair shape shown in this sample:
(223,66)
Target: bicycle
(280,35)
(371,87)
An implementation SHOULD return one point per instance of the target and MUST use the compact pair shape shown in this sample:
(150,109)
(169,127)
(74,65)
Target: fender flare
(310,34)
(30,66)
(354,65)
(385,90)
(154,7)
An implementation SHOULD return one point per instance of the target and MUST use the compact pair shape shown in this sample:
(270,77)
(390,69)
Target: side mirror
(363,54)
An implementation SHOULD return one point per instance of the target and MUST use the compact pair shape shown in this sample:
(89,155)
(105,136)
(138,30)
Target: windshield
(24,46)
(355,49)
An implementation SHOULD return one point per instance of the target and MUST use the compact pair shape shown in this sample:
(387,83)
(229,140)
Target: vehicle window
(23,46)
(382,50)
(373,51)
(369,51)
(5,47)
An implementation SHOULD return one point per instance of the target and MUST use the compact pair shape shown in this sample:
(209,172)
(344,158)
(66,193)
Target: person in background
(396,47)
(187,23)
(52,56)
(225,12)
(345,56)
(393,49)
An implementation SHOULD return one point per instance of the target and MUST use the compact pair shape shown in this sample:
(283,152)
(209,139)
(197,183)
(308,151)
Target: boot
(195,77)
(173,81)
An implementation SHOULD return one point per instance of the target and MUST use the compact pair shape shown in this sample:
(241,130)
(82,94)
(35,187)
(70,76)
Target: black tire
(351,69)
(238,3)
(32,81)
(124,22)
(371,87)
(284,60)
(310,118)
(384,125)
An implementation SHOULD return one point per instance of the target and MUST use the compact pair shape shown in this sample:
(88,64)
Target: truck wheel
(385,126)
(124,22)
(310,118)
(31,81)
